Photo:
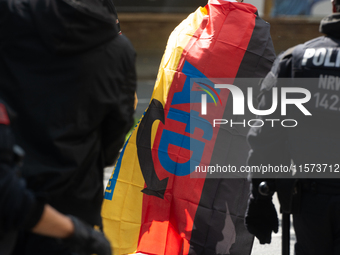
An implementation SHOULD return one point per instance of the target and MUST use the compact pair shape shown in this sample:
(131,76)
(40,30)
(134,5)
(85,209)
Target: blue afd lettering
(192,121)
(182,141)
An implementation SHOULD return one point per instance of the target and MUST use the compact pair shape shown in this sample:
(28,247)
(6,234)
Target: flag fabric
(152,204)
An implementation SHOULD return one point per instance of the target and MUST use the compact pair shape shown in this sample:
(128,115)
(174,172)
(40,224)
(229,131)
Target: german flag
(152,204)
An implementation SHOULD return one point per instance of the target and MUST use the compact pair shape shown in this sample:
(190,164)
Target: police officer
(311,145)
(21,209)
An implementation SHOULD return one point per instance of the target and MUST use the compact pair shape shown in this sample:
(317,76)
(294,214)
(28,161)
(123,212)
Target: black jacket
(316,138)
(70,77)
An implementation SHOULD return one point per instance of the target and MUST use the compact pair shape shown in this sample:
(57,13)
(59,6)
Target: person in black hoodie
(20,209)
(313,146)
(70,77)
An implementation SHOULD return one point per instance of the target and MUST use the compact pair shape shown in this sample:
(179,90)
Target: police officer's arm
(120,119)
(268,147)
(20,209)
(269,142)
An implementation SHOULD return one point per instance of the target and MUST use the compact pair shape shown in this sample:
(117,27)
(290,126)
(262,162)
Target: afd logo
(239,104)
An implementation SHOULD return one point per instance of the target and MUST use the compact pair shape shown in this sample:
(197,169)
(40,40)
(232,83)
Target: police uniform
(313,144)
(20,209)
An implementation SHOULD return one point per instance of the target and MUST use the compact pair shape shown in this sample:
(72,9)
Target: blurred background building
(269,7)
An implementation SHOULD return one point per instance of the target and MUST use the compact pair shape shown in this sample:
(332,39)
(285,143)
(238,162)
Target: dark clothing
(315,140)
(71,78)
(317,226)
(19,209)
(112,9)
(331,25)
(33,244)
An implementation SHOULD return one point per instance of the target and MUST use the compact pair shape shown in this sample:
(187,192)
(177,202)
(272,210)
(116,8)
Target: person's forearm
(54,224)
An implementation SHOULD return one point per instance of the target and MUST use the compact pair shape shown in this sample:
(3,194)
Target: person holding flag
(178,212)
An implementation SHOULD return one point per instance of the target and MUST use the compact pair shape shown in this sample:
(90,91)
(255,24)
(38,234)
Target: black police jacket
(313,145)
(70,77)
(19,209)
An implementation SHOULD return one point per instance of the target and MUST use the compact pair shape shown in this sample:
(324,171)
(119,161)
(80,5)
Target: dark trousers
(31,244)
(317,226)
